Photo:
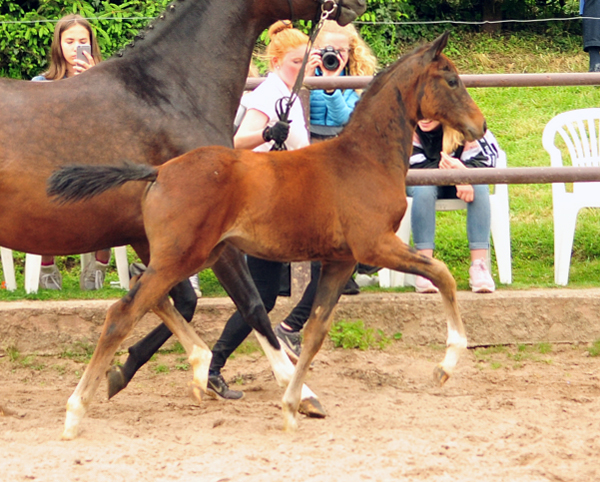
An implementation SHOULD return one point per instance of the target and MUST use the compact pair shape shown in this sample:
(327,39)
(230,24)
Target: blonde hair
(361,60)
(283,38)
(58,64)
(451,139)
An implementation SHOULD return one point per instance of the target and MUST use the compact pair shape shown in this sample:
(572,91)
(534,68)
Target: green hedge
(25,47)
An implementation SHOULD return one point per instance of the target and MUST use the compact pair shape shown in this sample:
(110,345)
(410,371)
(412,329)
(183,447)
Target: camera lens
(330,58)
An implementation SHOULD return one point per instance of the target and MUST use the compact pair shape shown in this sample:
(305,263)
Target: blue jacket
(332,109)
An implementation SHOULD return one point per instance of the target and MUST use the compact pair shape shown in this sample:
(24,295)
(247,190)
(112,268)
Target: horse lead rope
(328,9)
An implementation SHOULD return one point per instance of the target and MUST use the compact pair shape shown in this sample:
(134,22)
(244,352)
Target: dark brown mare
(176,89)
(286,206)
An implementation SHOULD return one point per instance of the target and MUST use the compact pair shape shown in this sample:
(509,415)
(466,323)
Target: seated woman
(437,147)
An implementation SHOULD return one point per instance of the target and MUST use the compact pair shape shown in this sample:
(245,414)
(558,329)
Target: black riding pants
(267,276)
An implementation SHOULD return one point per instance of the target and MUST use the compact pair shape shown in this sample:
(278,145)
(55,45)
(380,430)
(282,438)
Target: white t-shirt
(264,99)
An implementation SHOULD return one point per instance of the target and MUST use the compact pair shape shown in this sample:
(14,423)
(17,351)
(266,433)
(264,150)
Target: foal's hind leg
(120,319)
(199,355)
(184,299)
(331,284)
(232,271)
(392,253)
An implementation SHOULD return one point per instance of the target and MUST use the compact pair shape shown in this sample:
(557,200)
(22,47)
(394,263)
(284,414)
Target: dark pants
(299,315)
(266,275)
(591,33)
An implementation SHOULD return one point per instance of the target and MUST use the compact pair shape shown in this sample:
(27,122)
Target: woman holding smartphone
(71,32)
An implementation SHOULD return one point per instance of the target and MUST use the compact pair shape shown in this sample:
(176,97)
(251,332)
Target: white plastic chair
(500,224)
(33,265)
(579,130)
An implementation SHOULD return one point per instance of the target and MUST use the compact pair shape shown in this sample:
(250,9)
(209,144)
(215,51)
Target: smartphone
(81,49)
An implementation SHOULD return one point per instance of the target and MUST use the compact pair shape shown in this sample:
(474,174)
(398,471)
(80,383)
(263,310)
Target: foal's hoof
(195,392)
(311,407)
(440,376)
(116,381)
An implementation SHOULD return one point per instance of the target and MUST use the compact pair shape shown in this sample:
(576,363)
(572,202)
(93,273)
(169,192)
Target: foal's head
(442,95)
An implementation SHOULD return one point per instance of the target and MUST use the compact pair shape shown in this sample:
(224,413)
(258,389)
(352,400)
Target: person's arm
(463,191)
(250,133)
(340,105)
(253,130)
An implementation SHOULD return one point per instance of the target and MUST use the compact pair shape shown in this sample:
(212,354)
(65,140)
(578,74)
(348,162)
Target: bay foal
(286,206)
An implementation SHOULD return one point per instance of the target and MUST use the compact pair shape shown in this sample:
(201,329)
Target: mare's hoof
(311,407)
(195,392)
(116,381)
(440,376)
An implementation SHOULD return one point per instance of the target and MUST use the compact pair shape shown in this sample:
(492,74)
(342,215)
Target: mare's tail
(75,183)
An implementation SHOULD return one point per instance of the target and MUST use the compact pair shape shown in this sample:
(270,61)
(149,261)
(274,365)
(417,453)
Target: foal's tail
(75,183)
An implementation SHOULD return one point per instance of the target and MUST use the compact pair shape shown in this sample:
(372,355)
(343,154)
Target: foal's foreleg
(233,273)
(331,284)
(392,253)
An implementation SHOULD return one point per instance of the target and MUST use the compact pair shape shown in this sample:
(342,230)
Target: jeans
(423,215)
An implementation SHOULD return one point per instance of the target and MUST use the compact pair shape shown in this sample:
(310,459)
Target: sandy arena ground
(508,416)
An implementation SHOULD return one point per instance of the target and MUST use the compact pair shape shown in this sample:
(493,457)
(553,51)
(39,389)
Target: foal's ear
(437,46)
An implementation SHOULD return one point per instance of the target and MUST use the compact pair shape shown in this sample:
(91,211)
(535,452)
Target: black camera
(330,57)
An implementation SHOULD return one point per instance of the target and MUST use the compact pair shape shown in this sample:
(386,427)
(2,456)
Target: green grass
(353,334)
(509,356)
(517,117)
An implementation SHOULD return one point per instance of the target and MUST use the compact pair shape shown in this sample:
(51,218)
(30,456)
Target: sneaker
(93,276)
(196,285)
(218,388)
(480,279)
(136,269)
(351,288)
(50,278)
(423,285)
(367,269)
(290,342)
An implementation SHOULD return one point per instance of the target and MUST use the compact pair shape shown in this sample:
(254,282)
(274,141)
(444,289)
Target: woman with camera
(68,58)
(339,51)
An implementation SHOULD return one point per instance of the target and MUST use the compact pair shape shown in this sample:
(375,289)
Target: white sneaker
(480,279)
(50,278)
(423,285)
(92,277)
(196,285)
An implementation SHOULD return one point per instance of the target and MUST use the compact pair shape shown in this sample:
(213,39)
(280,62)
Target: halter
(329,5)
(329,9)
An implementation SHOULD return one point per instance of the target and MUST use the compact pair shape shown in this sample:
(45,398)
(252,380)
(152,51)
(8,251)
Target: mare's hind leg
(234,275)
(120,320)
(334,276)
(392,253)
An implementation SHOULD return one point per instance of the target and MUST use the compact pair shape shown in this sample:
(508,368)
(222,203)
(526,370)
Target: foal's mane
(383,77)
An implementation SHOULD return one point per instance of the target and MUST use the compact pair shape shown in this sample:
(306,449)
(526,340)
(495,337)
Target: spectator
(70,32)
(439,147)
(591,31)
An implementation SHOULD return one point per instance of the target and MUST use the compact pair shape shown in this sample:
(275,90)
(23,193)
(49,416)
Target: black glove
(278,132)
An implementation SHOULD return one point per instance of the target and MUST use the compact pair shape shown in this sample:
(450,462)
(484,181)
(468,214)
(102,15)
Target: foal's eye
(452,83)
